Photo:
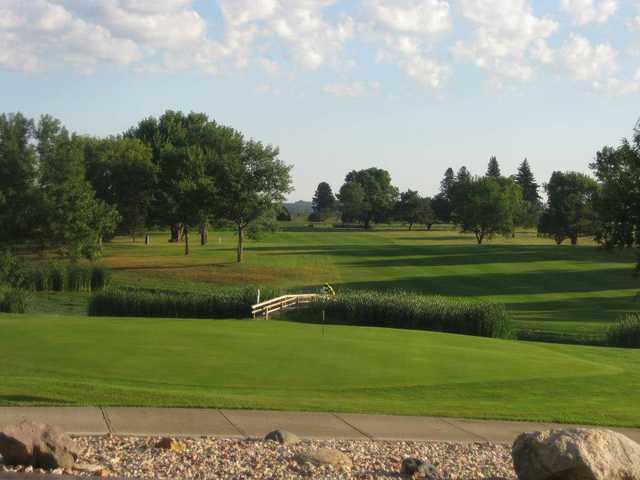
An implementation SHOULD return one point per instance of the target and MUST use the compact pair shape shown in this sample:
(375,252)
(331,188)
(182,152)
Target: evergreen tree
(447,182)
(527,182)
(463,175)
(324,202)
(493,170)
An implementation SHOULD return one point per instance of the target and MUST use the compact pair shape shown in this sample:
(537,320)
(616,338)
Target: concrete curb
(196,422)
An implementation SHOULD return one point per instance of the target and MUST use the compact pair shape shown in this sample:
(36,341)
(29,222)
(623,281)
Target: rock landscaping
(567,454)
(219,458)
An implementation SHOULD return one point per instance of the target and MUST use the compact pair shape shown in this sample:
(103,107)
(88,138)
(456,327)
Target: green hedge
(226,303)
(412,311)
(625,333)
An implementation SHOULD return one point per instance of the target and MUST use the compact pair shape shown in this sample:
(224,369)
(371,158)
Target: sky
(412,86)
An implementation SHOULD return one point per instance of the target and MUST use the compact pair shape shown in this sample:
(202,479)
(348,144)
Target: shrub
(407,310)
(123,302)
(13,301)
(626,333)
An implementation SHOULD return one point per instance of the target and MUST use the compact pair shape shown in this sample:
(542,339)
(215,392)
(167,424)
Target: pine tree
(463,175)
(493,170)
(446,183)
(527,183)
(324,201)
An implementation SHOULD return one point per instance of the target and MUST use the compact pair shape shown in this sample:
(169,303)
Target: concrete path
(247,423)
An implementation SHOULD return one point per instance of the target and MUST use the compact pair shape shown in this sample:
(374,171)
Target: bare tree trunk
(240,243)
(410,226)
(147,241)
(574,240)
(204,234)
(175,233)
(429,225)
(186,239)
(479,238)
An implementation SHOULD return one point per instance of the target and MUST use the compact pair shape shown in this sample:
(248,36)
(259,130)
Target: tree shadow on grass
(434,255)
(507,283)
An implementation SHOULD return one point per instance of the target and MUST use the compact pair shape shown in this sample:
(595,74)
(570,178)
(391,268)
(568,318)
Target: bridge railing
(281,303)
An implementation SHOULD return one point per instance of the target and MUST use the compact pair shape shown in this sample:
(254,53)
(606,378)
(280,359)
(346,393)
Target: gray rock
(576,454)
(282,437)
(414,467)
(37,445)
(324,456)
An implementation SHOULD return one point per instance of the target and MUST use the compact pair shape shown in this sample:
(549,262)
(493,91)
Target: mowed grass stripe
(537,280)
(282,365)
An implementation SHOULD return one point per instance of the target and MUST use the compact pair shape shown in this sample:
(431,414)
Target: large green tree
(71,219)
(123,173)
(18,170)
(175,131)
(251,184)
(407,207)
(618,201)
(379,195)
(569,211)
(485,206)
(323,202)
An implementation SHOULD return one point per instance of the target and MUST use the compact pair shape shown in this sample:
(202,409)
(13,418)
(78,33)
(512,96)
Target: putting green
(67,360)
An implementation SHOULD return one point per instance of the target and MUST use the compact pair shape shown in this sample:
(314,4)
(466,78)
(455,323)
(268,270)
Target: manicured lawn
(561,293)
(56,359)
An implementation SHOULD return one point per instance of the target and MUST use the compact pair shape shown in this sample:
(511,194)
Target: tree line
(605,206)
(68,192)
(185,172)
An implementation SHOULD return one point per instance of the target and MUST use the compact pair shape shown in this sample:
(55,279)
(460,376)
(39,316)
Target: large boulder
(324,456)
(37,445)
(417,468)
(576,454)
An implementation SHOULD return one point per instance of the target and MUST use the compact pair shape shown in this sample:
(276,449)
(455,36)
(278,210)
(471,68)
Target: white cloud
(586,61)
(634,24)
(420,17)
(353,89)
(312,40)
(40,33)
(590,11)
(505,44)
(405,32)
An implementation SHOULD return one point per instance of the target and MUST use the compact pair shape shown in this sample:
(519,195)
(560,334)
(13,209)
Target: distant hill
(299,208)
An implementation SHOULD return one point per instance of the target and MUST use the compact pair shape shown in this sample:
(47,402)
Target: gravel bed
(219,458)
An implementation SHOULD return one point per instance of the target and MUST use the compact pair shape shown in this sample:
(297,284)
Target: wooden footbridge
(280,304)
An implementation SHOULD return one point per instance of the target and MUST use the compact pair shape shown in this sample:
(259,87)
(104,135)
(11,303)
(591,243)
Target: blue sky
(414,86)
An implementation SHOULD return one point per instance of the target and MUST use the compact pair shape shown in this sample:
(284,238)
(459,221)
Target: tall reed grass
(625,333)
(127,302)
(54,277)
(408,310)
(13,301)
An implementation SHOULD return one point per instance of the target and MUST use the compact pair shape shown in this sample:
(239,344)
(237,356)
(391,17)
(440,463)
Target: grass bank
(70,360)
